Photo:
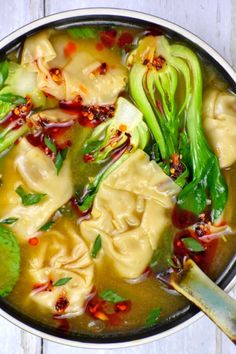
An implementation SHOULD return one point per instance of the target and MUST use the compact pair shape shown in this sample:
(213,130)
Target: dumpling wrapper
(37,173)
(131,210)
(37,47)
(61,254)
(43,51)
(37,52)
(94,89)
(219,121)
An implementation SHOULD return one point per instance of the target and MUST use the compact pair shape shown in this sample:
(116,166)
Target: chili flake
(62,304)
(33,241)
(56,75)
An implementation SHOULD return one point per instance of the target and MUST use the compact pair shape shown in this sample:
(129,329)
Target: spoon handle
(204,293)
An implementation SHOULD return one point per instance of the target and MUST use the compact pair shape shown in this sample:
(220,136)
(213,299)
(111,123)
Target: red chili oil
(179,248)
(88,158)
(204,259)
(125,147)
(62,304)
(156,62)
(88,116)
(183,218)
(106,311)
(160,106)
(83,215)
(102,69)
(40,287)
(123,306)
(54,131)
(56,75)
(108,38)
(18,115)
(176,166)
(125,39)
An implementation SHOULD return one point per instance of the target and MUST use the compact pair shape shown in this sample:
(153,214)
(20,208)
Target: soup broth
(70,90)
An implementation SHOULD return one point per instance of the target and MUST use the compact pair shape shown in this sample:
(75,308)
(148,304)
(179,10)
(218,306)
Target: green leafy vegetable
(9,261)
(31,198)
(111,296)
(47,226)
(153,317)
(92,146)
(60,158)
(160,72)
(13,99)
(192,244)
(96,246)
(83,32)
(23,82)
(50,144)
(5,108)
(9,221)
(125,129)
(62,281)
(162,256)
(9,136)
(4,69)
(8,101)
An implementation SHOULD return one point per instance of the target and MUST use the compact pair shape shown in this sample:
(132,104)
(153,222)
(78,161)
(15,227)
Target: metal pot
(227,279)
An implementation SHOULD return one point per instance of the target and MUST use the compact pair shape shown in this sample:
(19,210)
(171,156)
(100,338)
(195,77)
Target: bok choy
(166,83)
(16,83)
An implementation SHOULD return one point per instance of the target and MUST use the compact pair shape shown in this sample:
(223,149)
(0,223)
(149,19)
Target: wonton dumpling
(61,254)
(37,173)
(219,120)
(37,47)
(94,89)
(37,52)
(131,210)
(44,51)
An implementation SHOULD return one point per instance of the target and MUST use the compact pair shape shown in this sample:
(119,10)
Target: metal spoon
(205,294)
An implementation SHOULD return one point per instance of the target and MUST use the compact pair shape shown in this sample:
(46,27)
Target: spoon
(205,294)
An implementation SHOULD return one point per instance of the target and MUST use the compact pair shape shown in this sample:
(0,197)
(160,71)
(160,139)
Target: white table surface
(215,22)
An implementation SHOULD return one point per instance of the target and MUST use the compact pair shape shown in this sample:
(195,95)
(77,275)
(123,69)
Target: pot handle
(205,294)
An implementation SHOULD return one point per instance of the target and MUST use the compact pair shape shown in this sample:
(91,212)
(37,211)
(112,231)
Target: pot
(227,280)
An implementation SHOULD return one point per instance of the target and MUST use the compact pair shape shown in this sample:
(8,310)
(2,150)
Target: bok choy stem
(10,137)
(137,75)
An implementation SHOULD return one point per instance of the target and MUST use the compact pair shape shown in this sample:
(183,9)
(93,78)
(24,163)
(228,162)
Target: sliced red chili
(123,306)
(70,49)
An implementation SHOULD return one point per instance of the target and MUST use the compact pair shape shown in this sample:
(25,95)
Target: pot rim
(126,14)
